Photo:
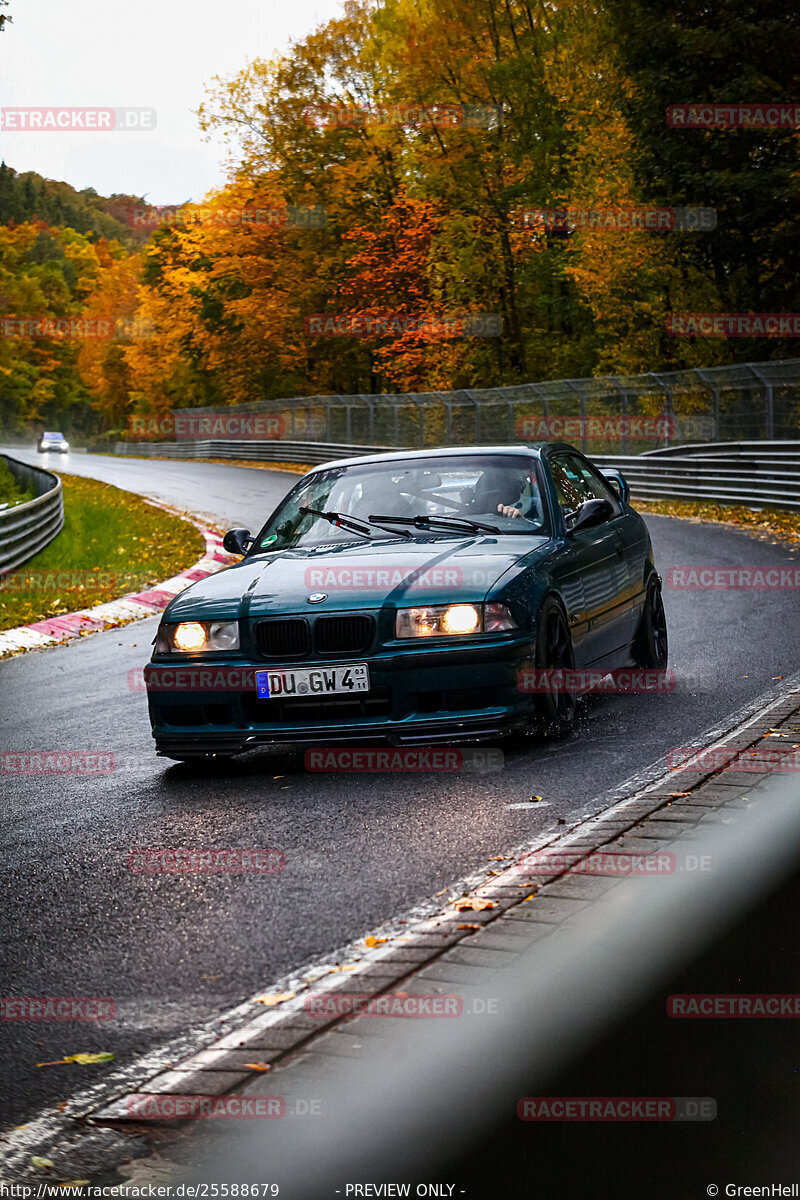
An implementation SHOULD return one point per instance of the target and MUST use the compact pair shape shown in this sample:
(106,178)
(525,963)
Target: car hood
(356,576)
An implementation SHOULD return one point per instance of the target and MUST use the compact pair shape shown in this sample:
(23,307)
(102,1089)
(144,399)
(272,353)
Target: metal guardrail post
(716,431)
(669,410)
(769,407)
(572,385)
(624,410)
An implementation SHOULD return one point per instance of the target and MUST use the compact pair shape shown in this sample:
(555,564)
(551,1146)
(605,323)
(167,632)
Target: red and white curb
(133,607)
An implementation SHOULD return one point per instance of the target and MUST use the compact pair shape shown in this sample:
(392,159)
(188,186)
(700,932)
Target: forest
(419,201)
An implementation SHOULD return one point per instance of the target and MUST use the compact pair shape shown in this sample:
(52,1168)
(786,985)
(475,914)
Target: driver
(508,496)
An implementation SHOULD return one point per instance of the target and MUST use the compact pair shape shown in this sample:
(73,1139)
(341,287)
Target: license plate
(344,678)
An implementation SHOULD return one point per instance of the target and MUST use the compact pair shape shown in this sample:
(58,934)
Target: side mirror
(590,513)
(619,484)
(236,541)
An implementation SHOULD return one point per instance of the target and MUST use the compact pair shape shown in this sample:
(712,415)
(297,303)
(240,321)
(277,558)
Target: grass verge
(10,491)
(112,543)
(769,524)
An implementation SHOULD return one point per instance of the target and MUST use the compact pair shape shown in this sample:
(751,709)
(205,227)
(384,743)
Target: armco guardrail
(25,529)
(266,451)
(755,474)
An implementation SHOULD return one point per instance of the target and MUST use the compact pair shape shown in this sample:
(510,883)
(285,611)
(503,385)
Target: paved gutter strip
(134,606)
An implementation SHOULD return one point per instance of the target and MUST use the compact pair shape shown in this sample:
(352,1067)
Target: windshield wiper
(459,524)
(351,523)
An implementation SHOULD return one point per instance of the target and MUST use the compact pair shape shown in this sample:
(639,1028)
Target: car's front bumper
(417,697)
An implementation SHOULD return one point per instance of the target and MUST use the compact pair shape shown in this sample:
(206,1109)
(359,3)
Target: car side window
(576,482)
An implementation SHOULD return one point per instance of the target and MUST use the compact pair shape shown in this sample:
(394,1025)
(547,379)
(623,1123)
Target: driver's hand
(508,510)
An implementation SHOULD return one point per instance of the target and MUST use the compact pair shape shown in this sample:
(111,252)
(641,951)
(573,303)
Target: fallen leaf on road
(468,927)
(259,1066)
(472,902)
(272,998)
(524,898)
(561,821)
(536,799)
(373,941)
(83,1060)
(74,1183)
(36,1161)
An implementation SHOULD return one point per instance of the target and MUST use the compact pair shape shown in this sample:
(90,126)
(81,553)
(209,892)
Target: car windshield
(59,437)
(499,490)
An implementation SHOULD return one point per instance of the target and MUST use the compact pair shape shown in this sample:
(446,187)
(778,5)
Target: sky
(151,54)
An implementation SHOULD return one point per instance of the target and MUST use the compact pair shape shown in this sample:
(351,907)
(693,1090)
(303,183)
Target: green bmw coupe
(402,598)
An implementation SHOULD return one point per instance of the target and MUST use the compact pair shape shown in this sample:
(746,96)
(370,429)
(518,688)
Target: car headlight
(193,637)
(453,620)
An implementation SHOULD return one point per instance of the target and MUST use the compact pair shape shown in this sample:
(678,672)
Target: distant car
(52,441)
(400,598)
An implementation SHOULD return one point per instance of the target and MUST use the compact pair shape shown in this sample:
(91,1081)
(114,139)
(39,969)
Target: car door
(591,566)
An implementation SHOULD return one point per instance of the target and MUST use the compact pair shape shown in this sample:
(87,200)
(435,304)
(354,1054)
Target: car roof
(534,449)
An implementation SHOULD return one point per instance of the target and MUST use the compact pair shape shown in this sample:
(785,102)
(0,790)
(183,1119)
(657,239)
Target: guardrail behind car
(27,528)
(273,450)
(756,474)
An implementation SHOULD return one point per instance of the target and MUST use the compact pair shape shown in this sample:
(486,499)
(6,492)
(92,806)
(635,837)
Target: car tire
(555,711)
(651,644)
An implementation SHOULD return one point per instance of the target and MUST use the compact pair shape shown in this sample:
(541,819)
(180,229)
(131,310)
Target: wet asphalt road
(172,951)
